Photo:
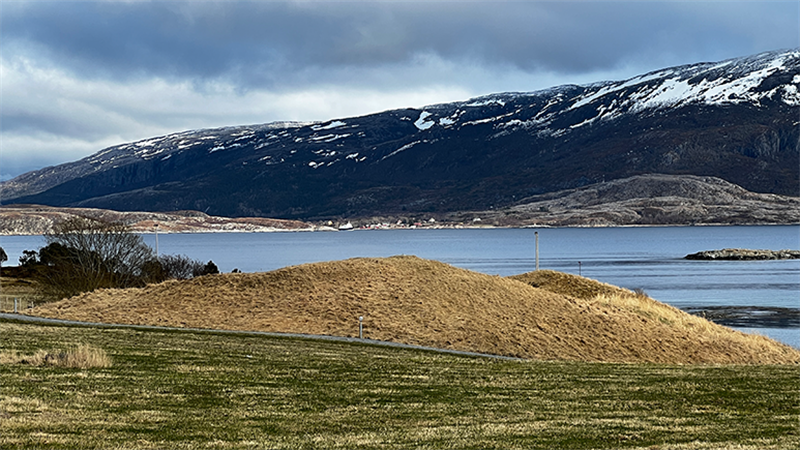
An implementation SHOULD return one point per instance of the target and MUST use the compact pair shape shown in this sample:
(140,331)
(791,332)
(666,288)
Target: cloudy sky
(77,77)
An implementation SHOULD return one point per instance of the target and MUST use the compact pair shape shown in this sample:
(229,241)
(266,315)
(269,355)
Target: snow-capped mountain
(738,120)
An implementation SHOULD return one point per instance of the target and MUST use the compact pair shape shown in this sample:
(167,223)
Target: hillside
(639,200)
(38,219)
(409,300)
(735,120)
(646,200)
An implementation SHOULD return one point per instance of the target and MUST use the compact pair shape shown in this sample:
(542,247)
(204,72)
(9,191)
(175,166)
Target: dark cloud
(269,44)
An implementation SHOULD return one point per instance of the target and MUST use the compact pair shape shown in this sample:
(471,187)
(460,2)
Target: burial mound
(541,315)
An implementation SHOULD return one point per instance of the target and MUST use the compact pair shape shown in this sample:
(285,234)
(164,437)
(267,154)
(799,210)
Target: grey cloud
(267,44)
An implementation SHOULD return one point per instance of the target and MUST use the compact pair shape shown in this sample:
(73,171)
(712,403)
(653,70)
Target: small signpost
(361,327)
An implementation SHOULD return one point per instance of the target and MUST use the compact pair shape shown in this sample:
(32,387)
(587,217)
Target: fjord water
(648,258)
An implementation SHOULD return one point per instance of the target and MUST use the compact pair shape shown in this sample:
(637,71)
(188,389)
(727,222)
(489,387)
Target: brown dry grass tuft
(81,357)
(415,301)
(568,284)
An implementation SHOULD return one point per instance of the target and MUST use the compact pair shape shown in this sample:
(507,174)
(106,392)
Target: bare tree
(85,254)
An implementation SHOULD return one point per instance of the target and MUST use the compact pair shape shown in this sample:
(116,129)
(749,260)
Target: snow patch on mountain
(402,149)
(329,126)
(329,137)
(422,123)
(223,147)
(149,142)
(489,119)
(791,96)
(729,82)
(325,153)
(261,145)
(486,102)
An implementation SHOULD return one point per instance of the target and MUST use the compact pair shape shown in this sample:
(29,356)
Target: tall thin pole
(537,249)
(156,226)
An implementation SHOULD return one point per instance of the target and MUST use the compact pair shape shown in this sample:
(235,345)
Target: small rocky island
(741,254)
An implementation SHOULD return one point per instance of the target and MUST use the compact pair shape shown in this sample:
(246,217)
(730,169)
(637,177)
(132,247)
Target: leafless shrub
(180,267)
(84,254)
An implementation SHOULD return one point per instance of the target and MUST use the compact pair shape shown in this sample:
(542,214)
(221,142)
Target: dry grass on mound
(568,284)
(415,301)
(711,336)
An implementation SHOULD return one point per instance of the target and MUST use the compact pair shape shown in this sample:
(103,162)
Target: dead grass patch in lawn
(79,357)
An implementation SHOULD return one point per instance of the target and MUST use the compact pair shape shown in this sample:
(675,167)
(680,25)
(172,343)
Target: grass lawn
(187,390)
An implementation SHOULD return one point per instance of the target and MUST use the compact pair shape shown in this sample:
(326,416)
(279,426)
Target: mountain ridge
(735,120)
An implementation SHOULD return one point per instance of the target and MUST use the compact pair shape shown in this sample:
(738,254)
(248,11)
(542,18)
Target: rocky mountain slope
(736,120)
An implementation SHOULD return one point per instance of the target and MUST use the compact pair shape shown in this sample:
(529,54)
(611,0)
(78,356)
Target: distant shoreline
(438,226)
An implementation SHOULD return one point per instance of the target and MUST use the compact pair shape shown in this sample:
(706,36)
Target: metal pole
(361,327)
(579,269)
(156,226)
(537,249)
(15,305)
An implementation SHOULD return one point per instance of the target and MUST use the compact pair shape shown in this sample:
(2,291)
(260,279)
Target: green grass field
(188,390)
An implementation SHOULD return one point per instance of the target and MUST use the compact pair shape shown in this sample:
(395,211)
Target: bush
(181,267)
(83,254)
(29,258)
(209,269)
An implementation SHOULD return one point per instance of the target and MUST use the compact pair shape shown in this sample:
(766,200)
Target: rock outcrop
(741,254)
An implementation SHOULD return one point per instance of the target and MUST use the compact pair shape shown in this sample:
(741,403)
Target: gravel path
(45,320)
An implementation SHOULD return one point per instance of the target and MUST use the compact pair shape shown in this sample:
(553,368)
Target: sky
(77,77)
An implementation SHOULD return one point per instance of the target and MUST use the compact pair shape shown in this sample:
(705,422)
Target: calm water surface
(636,258)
